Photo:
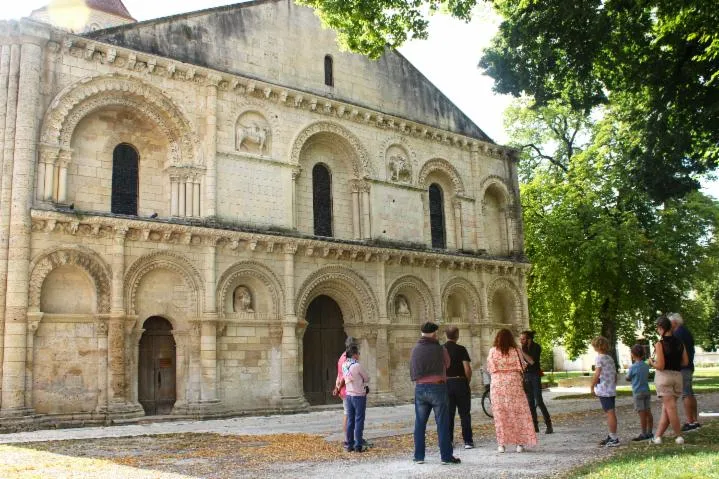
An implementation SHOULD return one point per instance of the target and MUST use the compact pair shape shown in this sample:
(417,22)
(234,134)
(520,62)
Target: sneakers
(612,442)
(643,436)
(656,440)
(550,429)
(520,449)
(604,441)
(500,449)
(468,445)
(451,460)
(679,440)
(418,461)
(690,426)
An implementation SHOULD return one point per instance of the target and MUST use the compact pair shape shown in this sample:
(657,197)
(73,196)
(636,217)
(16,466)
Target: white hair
(676,318)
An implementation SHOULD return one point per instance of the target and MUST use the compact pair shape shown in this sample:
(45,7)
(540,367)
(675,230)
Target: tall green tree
(606,256)
(655,61)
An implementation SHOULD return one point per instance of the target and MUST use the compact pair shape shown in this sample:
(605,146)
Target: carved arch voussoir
(501,184)
(352,292)
(79,99)
(256,270)
(163,260)
(361,163)
(79,256)
(444,166)
(420,287)
(467,289)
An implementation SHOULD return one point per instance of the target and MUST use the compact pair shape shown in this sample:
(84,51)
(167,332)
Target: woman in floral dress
(512,419)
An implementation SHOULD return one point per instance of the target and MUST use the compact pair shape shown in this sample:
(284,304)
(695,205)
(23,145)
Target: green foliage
(605,257)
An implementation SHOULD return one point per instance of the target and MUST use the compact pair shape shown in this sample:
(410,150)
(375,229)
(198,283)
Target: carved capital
(290,248)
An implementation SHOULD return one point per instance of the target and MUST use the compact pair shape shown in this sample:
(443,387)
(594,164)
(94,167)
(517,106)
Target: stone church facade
(196,210)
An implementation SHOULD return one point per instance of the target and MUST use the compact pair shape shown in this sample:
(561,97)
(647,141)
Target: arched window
(436,216)
(329,73)
(322,199)
(124,180)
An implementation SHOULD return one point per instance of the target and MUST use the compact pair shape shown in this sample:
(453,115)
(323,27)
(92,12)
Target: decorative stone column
(292,395)
(208,330)
(185,191)
(476,176)
(356,231)
(181,364)
(101,336)
(383,391)
(189,192)
(196,197)
(16,303)
(174,195)
(210,144)
(33,322)
(63,162)
(478,357)
(437,292)
(457,210)
(366,219)
(518,226)
(182,207)
(295,174)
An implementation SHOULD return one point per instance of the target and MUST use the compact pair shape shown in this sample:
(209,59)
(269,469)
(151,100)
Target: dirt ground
(307,445)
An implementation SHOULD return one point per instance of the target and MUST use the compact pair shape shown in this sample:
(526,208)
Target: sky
(448,58)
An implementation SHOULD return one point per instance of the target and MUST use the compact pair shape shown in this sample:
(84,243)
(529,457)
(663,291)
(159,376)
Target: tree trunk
(608,317)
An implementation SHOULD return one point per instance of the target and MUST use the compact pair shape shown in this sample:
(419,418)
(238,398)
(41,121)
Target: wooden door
(156,388)
(323,344)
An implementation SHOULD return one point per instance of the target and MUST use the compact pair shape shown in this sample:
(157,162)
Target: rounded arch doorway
(322,345)
(156,376)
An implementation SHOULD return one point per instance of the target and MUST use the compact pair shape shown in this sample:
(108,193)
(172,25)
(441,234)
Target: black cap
(429,327)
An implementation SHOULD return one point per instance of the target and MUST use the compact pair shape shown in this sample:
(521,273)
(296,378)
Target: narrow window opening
(124,180)
(322,200)
(436,216)
(329,73)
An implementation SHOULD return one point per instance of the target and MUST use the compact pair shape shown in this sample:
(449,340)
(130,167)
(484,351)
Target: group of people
(673,362)
(442,376)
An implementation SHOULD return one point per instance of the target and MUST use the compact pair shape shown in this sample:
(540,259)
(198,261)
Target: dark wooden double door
(156,388)
(323,344)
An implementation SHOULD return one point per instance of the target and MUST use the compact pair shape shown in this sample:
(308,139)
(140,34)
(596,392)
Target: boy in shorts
(638,374)
(604,386)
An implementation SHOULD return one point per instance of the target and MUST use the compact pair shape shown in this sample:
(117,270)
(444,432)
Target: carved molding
(79,256)
(444,166)
(361,164)
(423,291)
(351,291)
(252,269)
(87,95)
(163,260)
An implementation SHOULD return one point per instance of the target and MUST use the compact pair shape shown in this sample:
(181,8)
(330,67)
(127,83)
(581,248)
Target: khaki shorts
(668,383)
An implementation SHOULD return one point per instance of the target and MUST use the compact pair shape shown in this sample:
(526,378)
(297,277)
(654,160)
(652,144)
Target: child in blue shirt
(638,374)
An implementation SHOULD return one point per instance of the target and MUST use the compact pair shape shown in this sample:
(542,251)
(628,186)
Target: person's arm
(630,373)
(527,357)
(685,357)
(658,360)
(595,379)
(467,370)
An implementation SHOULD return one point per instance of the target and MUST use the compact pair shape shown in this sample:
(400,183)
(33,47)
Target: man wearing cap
(690,401)
(427,366)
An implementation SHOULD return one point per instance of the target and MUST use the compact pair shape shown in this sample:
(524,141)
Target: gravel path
(91,452)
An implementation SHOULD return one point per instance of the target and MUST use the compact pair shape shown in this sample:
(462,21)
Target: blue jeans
(428,397)
(356,407)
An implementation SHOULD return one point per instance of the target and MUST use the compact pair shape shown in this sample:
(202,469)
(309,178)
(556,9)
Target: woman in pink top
(356,381)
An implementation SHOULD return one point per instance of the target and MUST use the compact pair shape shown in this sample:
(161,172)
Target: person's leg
(663,419)
(360,409)
(673,415)
(439,405)
(539,400)
(530,398)
(689,399)
(612,422)
(344,419)
(422,410)
(452,394)
(350,434)
(464,405)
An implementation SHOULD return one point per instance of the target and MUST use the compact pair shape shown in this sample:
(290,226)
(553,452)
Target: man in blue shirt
(690,401)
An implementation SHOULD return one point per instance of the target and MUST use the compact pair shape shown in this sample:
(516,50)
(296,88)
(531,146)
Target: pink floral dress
(512,419)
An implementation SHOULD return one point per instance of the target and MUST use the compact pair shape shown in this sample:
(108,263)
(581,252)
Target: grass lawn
(706,380)
(698,458)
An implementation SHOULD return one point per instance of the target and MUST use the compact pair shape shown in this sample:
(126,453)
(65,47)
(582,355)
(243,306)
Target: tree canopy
(658,59)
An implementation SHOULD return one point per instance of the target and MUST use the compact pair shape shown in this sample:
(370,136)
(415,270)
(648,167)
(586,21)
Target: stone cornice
(231,238)
(144,63)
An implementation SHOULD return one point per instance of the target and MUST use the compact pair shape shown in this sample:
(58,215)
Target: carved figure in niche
(399,169)
(242,300)
(252,133)
(401,305)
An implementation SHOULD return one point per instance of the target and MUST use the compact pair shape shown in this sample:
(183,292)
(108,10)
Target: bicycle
(486,397)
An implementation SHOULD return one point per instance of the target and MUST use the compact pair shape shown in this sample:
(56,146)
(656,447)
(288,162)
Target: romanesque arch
(351,291)
(498,184)
(257,276)
(505,303)
(349,144)
(459,294)
(445,168)
(418,297)
(78,100)
(164,260)
(83,258)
